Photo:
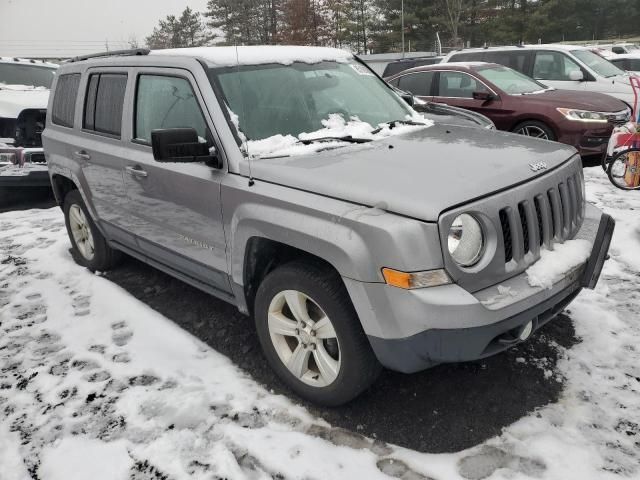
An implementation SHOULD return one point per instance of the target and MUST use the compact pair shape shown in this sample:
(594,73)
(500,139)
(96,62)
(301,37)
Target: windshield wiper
(346,138)
(394,123)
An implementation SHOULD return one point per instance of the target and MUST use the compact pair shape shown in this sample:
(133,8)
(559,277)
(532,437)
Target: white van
(560,66)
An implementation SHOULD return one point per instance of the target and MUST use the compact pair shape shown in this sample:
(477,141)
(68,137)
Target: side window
(633,65)
(64,103)
(512,59)
(166,102)
(417,83)
(104,102)
(553,66)
(458,85)
(618,50)
(468,57)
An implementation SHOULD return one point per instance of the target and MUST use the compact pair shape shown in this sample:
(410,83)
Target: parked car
(24,93)
(516,103)
(297,185)
(624,48)
(560,66)
(628,62)
(406,63)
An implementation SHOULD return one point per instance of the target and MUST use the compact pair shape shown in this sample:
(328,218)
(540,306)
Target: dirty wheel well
(61,186)
(263,255)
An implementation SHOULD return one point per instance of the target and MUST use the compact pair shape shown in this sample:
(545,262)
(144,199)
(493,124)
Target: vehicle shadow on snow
(445,409)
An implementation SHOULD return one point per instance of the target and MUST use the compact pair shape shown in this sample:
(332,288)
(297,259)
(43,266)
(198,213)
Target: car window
(30,75)
(468,57)
(596,63)
(553,66)
(166,102)
(618,50)
(509,80)
(64,102)
(417,83)
(458,85)
(512,59)
(104,102)
(633,64)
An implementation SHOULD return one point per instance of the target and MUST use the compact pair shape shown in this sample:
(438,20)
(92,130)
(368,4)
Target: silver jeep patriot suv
(296,184)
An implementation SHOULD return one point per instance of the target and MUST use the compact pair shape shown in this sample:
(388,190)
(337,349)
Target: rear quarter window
(64,101)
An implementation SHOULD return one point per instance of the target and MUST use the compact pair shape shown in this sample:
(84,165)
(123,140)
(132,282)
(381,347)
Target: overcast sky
(72,27)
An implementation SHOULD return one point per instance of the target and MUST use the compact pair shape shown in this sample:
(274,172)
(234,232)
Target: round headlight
(466,240)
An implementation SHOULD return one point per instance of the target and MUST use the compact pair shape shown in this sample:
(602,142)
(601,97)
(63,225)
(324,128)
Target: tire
(536,129)
(324,295)
(89,248)
(613,168)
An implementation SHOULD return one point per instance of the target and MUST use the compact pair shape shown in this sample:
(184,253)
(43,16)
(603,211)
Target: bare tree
(453,17)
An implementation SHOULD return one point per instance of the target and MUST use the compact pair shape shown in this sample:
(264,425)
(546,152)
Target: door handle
(82,155)
(136,171)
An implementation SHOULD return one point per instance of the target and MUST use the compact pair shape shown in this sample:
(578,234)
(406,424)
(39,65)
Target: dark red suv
(519,104)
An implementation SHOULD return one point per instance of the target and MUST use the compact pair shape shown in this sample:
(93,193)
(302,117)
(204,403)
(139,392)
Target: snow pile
(21,88)
(260,55)
(554,264)
(334,126)
(95,384)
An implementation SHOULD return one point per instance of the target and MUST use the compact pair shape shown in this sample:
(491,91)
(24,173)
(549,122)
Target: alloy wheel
(304,338)
(81,232)
(533,131)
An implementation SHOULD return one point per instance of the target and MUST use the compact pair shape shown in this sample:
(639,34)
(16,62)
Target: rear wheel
(90,248)
(311,334)
(535,129)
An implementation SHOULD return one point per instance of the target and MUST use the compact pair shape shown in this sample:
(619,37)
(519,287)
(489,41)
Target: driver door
(456,88)
(174,209)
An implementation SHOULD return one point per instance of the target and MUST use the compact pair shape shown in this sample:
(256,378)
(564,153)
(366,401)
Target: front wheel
(311,334)
(535,129)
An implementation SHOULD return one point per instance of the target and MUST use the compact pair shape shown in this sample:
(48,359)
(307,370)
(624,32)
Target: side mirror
(484,96)
(181,145)
(576,75)
(407,97)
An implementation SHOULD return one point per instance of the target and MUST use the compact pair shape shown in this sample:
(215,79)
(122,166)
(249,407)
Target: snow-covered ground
(96,385)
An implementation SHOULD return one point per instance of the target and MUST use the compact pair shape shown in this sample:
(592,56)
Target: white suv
(560,66)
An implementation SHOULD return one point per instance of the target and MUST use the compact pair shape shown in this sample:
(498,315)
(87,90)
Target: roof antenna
(242,136)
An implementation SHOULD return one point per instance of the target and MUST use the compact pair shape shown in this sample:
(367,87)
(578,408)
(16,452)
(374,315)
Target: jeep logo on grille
(538,166)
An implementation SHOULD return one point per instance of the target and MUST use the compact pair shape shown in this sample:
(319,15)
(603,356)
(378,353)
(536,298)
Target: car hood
(13,101)
(593,101)
(418,174)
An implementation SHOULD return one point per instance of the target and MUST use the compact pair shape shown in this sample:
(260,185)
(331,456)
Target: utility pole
(402,24)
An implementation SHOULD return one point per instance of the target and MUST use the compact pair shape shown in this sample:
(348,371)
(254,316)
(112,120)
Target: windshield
(275,99)
(510,81)
(29,75)
(597,63)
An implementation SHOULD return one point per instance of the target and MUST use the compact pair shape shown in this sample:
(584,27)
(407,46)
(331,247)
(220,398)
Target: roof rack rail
(112,53)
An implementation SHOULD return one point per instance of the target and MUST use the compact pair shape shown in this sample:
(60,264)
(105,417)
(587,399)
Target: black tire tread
(552,135)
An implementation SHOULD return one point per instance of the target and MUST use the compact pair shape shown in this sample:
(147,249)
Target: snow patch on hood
(334,126)
(555,264)
(15,100)
(8,86)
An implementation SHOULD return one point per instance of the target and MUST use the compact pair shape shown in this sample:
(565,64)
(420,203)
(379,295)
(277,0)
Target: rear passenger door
(98,146)
(174,209)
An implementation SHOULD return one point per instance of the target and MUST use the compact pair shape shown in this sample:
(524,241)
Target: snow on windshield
(334,126)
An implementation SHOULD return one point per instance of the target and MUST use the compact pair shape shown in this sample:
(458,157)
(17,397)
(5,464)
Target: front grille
(619,118)
(547,217)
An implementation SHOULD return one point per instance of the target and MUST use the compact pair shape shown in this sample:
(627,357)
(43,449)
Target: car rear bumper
(449,324)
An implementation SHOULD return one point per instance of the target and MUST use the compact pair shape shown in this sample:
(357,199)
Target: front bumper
(449,324)
(589,142)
